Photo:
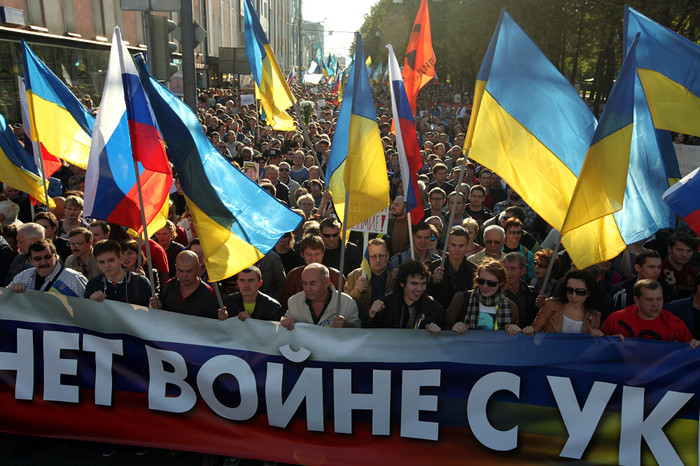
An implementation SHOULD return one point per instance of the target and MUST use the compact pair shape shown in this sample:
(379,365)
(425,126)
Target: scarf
(504,313)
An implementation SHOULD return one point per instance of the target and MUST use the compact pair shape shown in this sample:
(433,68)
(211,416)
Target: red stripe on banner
(200,430)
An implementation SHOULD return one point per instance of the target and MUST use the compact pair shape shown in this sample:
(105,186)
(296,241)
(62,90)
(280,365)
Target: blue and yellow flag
(17,167)
(275,95)
(237,221)
(590,232)
(668,69)
(356,165)
(59,121)
(528,124)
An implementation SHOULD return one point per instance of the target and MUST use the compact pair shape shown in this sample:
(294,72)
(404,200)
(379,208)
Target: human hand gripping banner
(111,372)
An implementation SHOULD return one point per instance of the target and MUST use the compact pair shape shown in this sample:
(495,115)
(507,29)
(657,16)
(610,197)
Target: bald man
(186,293)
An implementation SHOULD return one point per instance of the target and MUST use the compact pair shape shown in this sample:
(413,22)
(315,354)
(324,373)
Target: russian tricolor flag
(683,197)
(125,133)
(406,141)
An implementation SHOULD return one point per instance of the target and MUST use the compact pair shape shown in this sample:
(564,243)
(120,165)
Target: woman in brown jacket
(567,312)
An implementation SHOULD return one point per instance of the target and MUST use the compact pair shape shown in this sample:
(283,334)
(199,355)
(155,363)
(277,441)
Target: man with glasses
(365,290)
(436,200)
(47,274)
(330,233)
(281,190)
(284,177)
(82,260)
(494,239)
(457,273)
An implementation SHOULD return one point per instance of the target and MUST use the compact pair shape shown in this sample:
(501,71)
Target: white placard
(248,99)
(378,223)
(688,158)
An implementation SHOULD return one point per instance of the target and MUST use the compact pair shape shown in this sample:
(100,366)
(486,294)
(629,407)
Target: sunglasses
(330,235)
(541,264)
(576,291)
(433,238)
(483,281)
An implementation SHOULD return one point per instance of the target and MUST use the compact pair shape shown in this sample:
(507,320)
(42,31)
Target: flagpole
(218,295)
(43,175)
(551,265)
(342,250)
(365,245)
(138,180)
(410,236)
(452,213)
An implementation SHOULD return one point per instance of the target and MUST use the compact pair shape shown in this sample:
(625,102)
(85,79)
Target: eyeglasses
(330,235)
(541,264)
(76,245)
(515,232)
(284,169)
(576,291)
(490,241)
(483,281)
(377,257)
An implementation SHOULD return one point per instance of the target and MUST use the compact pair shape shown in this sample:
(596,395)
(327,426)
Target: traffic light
(162,47)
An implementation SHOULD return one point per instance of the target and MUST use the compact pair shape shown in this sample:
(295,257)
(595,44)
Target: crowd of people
(479,258)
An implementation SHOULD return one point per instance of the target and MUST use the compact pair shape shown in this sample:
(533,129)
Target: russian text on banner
(113,372)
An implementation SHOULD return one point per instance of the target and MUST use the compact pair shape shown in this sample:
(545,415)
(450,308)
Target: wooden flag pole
(138,186)
(551,265)
(342,250)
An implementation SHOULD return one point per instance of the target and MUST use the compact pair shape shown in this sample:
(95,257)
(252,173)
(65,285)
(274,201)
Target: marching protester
(47,273)
(317,303)
(248,301)
(186,293)
(408,306)
(115,282)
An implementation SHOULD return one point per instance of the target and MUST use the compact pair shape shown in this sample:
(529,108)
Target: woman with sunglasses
(485,307)
(568,310)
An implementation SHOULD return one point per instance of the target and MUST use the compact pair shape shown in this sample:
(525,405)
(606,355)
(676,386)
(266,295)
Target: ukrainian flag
(590,232)
(275,95)
(17,167)
(237,221)
(58,119)
(528,124)
(668,69)
(356,170)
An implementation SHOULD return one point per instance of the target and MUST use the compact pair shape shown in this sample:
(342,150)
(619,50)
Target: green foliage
(583,38)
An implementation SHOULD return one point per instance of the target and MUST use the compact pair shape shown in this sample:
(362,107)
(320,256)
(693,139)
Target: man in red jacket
(647,318)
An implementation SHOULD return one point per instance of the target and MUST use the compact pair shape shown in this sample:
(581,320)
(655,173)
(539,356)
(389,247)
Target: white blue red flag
(683,197)
(406,141)
(125,132)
